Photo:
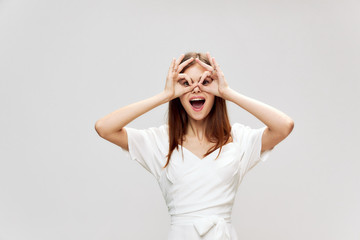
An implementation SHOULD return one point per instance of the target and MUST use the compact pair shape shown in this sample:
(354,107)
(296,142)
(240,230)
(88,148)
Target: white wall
(65,64)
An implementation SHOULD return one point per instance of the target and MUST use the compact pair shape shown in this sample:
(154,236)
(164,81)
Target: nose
(196,89)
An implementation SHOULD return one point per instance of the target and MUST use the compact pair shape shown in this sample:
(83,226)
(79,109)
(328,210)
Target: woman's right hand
(178,83)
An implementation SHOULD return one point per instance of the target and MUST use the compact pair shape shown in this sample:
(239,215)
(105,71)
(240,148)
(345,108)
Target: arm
(279,125)
(111,127)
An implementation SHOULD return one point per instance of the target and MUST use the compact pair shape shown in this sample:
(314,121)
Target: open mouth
(197,103)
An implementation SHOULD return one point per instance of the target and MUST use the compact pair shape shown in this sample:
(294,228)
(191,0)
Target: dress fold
(199,193)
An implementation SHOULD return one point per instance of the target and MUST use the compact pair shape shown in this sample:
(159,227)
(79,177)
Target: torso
(199,148)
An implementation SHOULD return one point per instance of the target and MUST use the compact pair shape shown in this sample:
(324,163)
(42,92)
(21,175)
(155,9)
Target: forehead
(195,70)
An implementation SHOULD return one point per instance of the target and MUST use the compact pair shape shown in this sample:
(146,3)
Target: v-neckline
(193,154)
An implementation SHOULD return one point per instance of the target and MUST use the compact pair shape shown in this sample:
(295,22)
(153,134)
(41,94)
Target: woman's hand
(178,83)
(213,80)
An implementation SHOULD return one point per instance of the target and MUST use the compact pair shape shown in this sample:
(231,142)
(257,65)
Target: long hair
(217,127)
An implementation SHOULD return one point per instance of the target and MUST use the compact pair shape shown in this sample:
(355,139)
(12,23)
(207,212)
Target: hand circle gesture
(178,83)
(217,85)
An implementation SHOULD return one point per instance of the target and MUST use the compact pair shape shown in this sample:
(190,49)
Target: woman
(198,158)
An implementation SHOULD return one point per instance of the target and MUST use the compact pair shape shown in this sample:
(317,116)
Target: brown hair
(217,122)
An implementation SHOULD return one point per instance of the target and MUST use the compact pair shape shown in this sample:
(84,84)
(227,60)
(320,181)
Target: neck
(196,129)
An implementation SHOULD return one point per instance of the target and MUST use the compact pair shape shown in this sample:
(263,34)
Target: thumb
(202,87)
(189,88)
(207,89)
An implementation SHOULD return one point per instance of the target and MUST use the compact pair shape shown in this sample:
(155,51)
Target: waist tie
(203,224)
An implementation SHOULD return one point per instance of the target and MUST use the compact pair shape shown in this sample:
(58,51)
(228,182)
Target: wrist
(166,96)
(226,93)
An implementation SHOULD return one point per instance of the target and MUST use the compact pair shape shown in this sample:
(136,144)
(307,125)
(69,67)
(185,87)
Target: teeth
(197,99)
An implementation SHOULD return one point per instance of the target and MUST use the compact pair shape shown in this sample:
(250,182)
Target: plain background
(66,64)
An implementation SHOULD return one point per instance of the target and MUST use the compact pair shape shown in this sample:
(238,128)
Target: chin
(197,118)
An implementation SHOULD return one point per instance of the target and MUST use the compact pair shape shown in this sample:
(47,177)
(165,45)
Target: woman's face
(197,103)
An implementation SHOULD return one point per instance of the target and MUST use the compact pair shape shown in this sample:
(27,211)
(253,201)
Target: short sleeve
(250,140)
(147,147)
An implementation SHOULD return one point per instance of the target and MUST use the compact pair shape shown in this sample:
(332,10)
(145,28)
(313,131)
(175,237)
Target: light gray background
(66,64)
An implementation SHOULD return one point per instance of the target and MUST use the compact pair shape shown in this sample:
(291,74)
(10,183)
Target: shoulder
(241,132)
(160,136)
(238,130)
(161,131)
(164,129)
(152,137)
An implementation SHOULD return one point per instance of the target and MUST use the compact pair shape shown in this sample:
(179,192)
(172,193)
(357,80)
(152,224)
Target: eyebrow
(199,78)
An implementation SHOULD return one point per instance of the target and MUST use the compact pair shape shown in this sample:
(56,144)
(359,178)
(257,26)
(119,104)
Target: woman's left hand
(217,84)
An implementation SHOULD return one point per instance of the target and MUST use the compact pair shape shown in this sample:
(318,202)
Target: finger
(204,88)
(206,66)
(172,64)
(210,59)
(182,65)
(217,66)
(171,68)
(204,76)
(190,88)
(184,76)
(178,61)
(218,70)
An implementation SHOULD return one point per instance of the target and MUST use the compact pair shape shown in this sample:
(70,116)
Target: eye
(185,83)
(206,81)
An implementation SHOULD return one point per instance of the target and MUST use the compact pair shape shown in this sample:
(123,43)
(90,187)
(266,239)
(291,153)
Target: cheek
(182,100)
(211,102)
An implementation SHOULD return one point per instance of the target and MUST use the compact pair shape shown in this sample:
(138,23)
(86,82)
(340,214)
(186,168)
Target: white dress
(199,193)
